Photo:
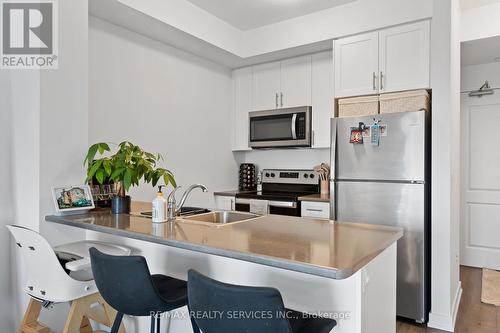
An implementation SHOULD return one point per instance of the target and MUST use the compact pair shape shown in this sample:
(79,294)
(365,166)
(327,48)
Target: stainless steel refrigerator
(389,184)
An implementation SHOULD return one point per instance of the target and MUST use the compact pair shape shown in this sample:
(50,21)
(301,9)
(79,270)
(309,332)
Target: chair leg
(152,324)
(85,326)
(76,315)
(110,313)
(158,321)
(117,323)
(31,314)
(30,320)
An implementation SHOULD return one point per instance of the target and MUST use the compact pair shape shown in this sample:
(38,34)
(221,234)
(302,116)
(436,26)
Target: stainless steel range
(280,192)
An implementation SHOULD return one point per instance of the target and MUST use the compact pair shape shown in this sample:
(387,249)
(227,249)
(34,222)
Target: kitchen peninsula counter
(324,248)
(338,269)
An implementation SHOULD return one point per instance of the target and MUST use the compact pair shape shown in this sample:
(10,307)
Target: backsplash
(284,158)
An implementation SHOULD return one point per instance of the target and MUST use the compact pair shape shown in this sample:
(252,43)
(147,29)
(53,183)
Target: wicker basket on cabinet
(358,106)
(406,101)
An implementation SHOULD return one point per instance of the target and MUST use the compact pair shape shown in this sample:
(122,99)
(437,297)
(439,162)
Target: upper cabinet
(242,104)
(301,81)
(322,98)
(356,65)
(404,57)
(295,82)
(282,84)
(389,60)
(266,86)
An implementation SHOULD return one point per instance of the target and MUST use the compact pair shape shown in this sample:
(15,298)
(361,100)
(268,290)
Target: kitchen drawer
(314,209)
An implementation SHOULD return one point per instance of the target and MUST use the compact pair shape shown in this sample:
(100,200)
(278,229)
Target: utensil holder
(324,186)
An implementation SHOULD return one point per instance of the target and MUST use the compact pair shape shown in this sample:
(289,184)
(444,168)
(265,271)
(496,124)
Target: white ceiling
(250,14)
(480,51)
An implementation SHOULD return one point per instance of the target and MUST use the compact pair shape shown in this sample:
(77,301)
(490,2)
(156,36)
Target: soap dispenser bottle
(159,207)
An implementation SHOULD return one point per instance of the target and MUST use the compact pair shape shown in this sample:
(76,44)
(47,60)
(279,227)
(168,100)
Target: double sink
(215,218)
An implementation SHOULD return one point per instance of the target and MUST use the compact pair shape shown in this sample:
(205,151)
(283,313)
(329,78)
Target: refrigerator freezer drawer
(395,204)
(400,155)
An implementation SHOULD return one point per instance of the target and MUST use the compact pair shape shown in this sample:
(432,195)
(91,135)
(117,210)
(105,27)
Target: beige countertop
(316,197)
(318,247)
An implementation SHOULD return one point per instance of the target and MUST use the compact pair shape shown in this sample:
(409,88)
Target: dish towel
(259,207)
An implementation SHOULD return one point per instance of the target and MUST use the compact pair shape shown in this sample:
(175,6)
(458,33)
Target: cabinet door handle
(381,80)
(276,100)
(281,98)
(374,81)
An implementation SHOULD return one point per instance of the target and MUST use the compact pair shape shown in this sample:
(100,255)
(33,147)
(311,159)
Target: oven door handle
(294,126)
(279,204)
(283,204)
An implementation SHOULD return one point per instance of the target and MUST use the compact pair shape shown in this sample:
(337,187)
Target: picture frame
(71,199)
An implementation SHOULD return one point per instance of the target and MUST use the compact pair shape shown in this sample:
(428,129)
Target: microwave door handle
(294,126)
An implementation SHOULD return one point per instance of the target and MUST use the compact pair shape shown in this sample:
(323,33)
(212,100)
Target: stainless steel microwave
(289,127)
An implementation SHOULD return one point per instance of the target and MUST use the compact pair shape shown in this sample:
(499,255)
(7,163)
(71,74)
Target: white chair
(48,282)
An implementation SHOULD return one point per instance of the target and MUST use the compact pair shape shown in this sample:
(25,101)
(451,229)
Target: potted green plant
(124,169)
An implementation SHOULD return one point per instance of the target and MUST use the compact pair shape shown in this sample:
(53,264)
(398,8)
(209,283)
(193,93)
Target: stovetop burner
(284,185)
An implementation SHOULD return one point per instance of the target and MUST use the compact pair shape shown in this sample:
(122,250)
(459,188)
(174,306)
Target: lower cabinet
(315,209)
(224,202)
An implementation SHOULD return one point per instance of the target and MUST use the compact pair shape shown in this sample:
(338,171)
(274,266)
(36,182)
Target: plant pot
(120,205)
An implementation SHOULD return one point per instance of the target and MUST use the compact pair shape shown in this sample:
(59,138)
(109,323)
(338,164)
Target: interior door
(295,82)
(404,57)
(400,156)
(480,231)
(266,86)
(356,65)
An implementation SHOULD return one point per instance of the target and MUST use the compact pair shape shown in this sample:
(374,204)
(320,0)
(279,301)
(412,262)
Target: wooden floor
(473,316)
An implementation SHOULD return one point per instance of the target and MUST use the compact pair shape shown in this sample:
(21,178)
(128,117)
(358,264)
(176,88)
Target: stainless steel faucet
(174,210)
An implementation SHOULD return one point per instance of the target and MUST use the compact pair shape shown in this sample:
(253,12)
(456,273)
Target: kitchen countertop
(323,248)
(316,197)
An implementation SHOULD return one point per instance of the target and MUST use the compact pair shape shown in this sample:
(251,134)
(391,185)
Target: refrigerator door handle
(333,172)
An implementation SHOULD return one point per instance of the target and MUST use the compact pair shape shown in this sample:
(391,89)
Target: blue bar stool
(127,285)
(220,307)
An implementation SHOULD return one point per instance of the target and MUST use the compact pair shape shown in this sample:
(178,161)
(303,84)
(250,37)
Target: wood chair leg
(85,326)
(78,314)
(31,315)
(30,323)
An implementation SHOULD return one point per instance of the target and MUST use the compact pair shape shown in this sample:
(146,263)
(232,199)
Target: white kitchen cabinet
(266,86)
(388,60)
(322,98)
(356,65)
(295,82)
(242,104)
(224,202)
(315,209)
(404,53)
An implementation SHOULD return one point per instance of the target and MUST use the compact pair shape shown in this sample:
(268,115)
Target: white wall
(473,76)
(7,317)
(445,82)
(166,101)
(480,21)
(48,141)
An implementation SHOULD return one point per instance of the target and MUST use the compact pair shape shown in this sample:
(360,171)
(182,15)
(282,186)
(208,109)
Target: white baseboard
(447,322)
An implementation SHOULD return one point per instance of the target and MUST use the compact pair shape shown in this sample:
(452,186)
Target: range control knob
(267,174)
(312,175)
(306,175)
(272,175)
